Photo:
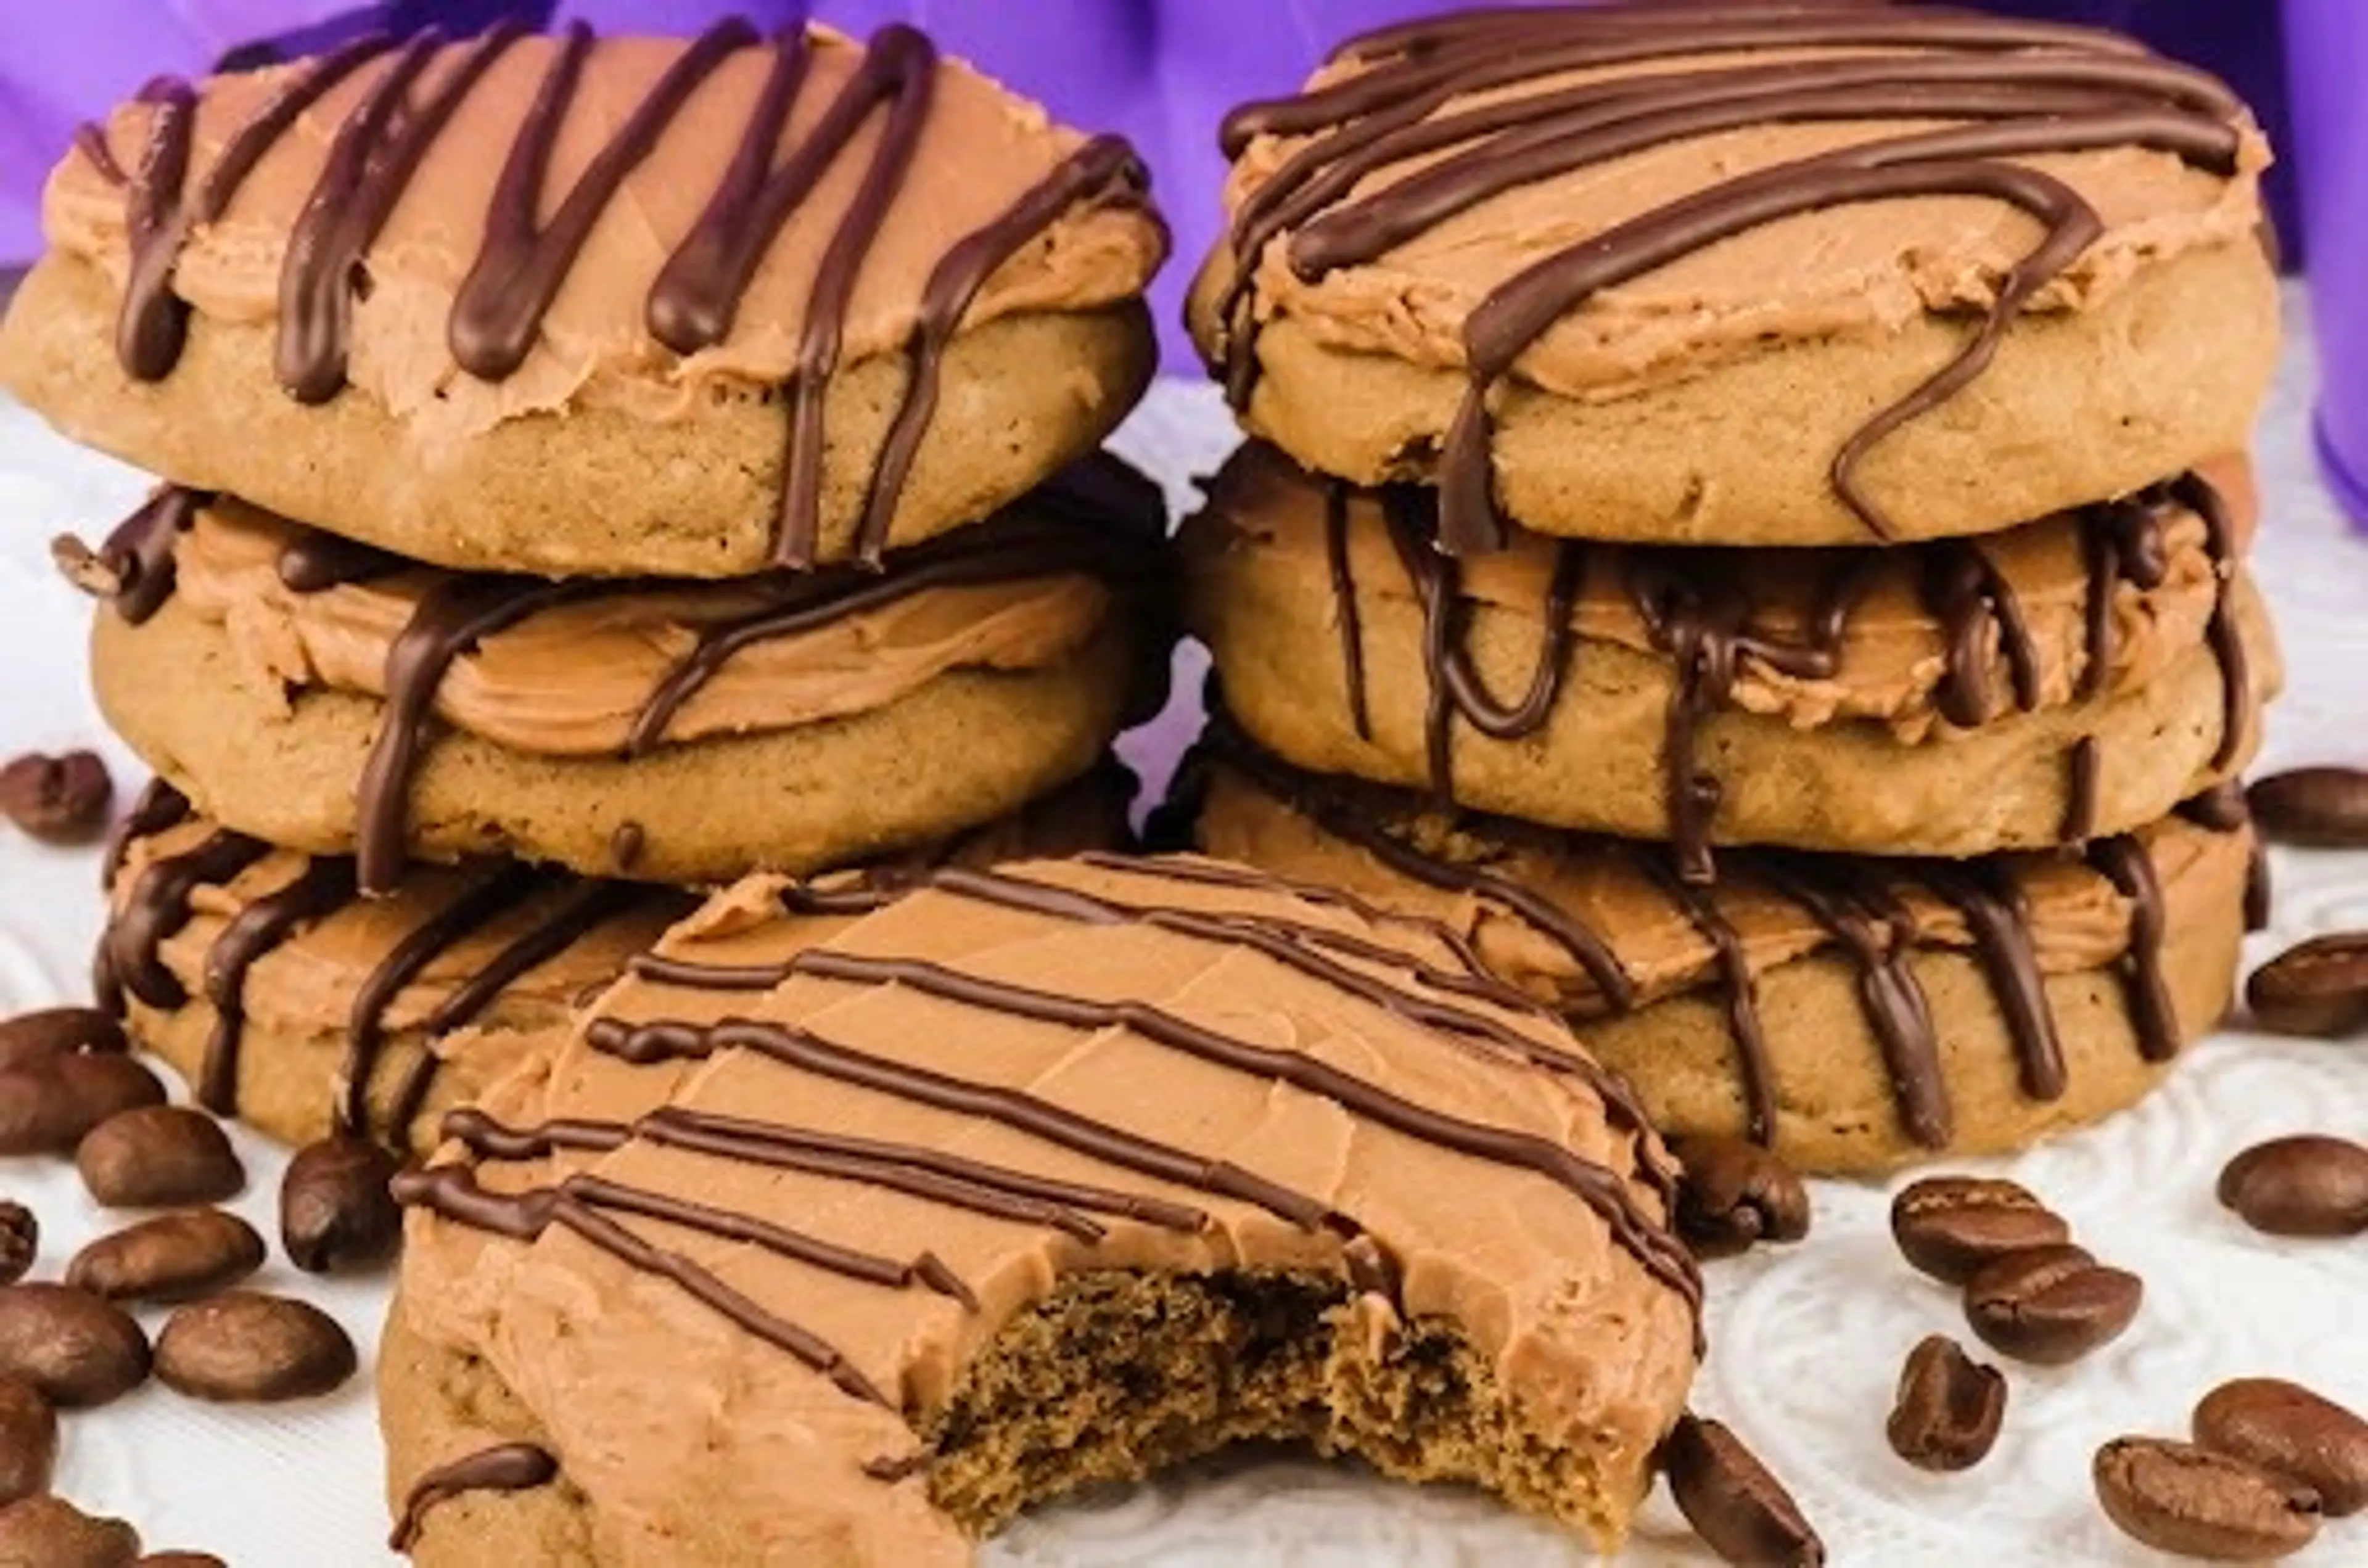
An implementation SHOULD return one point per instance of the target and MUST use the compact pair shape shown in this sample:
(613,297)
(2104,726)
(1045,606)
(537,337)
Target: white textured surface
(1805,1342)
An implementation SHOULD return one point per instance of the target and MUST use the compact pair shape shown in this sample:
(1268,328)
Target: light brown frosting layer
(1860,270)
(980,149)
(571,680)
(695,1440)
(1266,515)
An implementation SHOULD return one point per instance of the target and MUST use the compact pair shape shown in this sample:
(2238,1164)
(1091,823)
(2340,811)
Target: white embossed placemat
(1806,1341)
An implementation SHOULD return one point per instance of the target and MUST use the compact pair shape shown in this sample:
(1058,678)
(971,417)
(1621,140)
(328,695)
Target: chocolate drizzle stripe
(159,906)
(2126,863)
(1344,616)
(1755,1074)
(1995,914)
(2025,90)
(159,808)
(2080,791)
(1649,1242)
(2198,495)
(267,920)
(137,559)
(1975,602)
(313,562)
(508,1467)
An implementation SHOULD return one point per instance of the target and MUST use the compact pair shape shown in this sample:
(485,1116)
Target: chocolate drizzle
(508,1467)
(524,261)
(134,570)
(1469,96)
(1856,902)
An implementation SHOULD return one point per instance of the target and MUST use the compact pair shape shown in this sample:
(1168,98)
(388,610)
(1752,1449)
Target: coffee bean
(2287,1429)
(50,1110)
(2304,1185)
(2318,988)
(243,1345)
(1741,1511)
(74,1348)
(58,799)
(36,1040)
(1949,1407)
(1736,1194)
(2051,1305)
(2180,1498)
(20,1241)
(173,1257)
(157,1158)
(335,1207)
(50,1532)
(180,1560)
(2322,808)
(1949,1226)
(28,1440)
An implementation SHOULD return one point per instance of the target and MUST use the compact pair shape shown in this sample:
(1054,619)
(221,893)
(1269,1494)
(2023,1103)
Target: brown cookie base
(589,491)
(964,749)
(2075,406)
(1837,1108)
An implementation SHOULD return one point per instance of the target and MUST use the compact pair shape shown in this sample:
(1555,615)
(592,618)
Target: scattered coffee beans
(173,1257)
(2051,1305)
(244,1347)
(158,1157)
(53,1533)
(1949,1226)
(2286,1429)
(2323,808)
(2318,987)
(1736,1194)
(2305,1186)
(1740,1511)
(35,1039)
(50,1110)
(20,1241)
(1949,1408)
(28,1440)
(334,1210)
(2180,1498)
(58,799)
(75,1349)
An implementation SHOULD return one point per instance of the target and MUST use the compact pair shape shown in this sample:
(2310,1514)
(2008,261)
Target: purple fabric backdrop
(1160,71)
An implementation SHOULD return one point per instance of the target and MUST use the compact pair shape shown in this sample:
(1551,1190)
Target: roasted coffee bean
(243,1345)
(335,1210)
(28,1440)
(2321,808)
(1949,1407)
(2305,1186)
(50,1532)
(58,799)
(158,1157)
(1736,1194)
(2051,1305)
(50,1110)
(180,1560)
(2180,1498)
(75,1349)
(36,1040)
(2318,987)
(173,1257)
(1949,1226)
(1741,1511)
(20,1241)
(2286,1429)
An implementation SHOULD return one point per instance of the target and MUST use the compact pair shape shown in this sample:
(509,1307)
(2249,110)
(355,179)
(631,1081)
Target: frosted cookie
(1721,276)
(567,305)
(1063,1174)
(1855,1012)
(287,999)
(332,699)
(2077,675)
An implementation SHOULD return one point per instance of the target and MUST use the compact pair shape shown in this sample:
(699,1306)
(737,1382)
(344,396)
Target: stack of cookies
(1745,521)
(591,467)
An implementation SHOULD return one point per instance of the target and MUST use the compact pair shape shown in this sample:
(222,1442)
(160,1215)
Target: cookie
(2079,676)
(1856,1013)
(578,306)
(333,699)
(1030,1179)
(1736,278)
(287,999)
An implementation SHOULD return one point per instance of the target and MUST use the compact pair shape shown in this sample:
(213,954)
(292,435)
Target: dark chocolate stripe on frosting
(2025,89)
(507,1467)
